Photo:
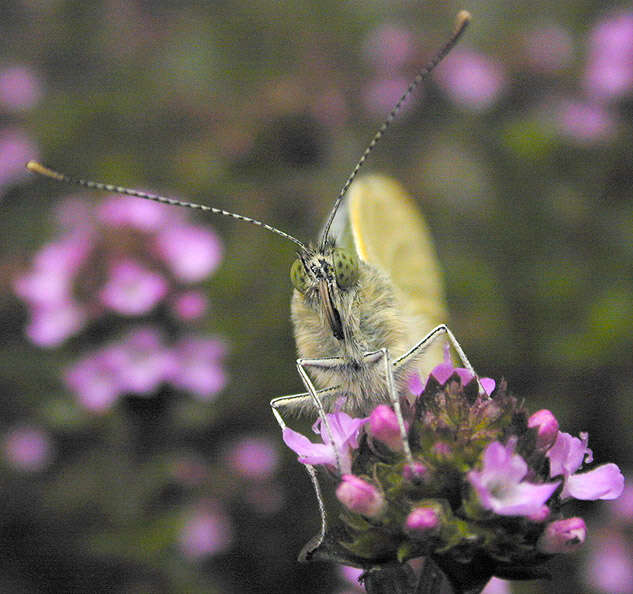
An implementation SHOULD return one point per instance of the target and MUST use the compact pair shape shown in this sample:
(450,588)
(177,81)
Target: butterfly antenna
(461,22)
(40,169)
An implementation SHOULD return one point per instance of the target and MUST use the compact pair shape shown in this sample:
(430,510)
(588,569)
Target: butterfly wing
(389,232)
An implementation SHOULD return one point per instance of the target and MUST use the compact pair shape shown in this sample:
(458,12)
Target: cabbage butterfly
(367,305)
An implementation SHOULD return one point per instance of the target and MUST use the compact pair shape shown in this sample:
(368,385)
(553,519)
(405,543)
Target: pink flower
(28,449)
(389,47)
(359,496)
(547,428)
(585,122)
(94,381)
(197,367)
(471,79)
(422,520)
(135,213)
(16,148)
(189,306)
(50,326)
(20,88)
(381,94)
(609,72)
(131,289)
(345,432)
(563,536)
(384,426)
(500,486)
(254,457)
(140,362)
(445,370)
(206,532)
(567,455)
(609,568)
(192,253)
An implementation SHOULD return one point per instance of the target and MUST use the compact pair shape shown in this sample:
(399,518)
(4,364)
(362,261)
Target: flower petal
(604,482)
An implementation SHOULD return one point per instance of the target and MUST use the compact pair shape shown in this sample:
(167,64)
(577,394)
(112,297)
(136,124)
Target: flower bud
(384,426)
(415,472)
(360,496)
(563,536)
(422,520)
(547,428)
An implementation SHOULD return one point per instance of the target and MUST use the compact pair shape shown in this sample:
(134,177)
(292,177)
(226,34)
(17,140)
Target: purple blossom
(445,370)
(16,148)
(563,536)
(20,88)
(585,122)
(192,253)
(548,48)
(547,428)
(135,213)
(345,432)
(28,448)
(197,366)
(381,94)
(389,47)
(414,472)
(131,289)
(471,79)
(206,532)
(359,496)
(497,586)
(422,520)
(609,568)
(189,306)
(500,486)
(567,455)
(609,71)
(384,426)
(253,457)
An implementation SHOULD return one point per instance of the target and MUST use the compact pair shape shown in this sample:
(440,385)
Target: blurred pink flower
(136,213)
(585,122)
(94,382)
(381,94)
(206,531)
(16,148)
(50,326)
(389,47)
(471,79)
(622,508)
(188,306)
(28,448)
(20,88)
(192,253)
(351,575)
(497,586)
(197,366)
(548,48)
(609,568)
(254,457)
(609,71)
(131,289)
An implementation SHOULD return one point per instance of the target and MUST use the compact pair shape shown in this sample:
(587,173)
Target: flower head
(359,496)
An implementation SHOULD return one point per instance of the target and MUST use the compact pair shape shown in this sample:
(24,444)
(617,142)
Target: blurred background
(140,344)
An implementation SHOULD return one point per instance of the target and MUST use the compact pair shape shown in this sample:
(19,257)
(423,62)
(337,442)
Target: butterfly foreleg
(433,335)
(383,354)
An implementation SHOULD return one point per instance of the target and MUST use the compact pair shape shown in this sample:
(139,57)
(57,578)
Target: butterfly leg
(440,330)
(290,400)
(307,382)
(383,354)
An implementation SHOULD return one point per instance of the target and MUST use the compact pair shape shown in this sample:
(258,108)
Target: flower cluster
(127,258)
(484,494)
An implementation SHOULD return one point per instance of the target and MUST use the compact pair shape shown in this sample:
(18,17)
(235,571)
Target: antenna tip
(35,167)
(462,20)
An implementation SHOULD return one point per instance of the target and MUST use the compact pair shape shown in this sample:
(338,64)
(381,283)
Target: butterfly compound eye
(299,276)
(346,269)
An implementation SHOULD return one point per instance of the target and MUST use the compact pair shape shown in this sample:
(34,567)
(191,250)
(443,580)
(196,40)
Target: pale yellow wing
(389,232)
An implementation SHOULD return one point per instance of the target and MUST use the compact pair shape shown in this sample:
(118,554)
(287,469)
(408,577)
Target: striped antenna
(35,167)
(462,21)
